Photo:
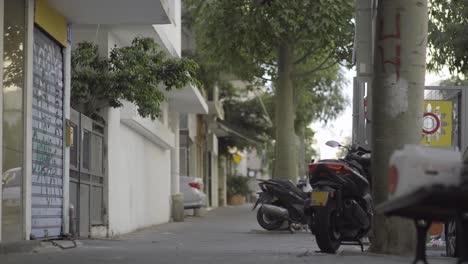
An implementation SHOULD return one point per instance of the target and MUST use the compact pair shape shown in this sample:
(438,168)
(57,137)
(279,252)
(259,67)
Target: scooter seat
(291,186)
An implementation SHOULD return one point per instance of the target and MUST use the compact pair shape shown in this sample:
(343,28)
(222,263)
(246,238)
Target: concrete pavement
(225,235)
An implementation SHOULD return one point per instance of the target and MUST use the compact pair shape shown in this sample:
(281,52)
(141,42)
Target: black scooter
(281,201)
(340,205)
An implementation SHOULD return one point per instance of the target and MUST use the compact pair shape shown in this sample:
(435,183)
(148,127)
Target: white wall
(98,35)
(254,160)
(139,180)
(241,168)
(213,147)
(171,34)
(192,126)
(193,160)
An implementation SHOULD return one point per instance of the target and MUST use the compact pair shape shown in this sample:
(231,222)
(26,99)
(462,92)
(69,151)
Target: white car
(11,187)
(192,188)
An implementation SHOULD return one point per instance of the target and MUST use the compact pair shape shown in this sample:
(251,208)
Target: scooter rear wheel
(266,222)
(324,226)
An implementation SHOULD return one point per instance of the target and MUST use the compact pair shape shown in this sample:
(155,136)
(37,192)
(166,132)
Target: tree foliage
(319,97)
(309,151)
(287,41)
(455,81)
(448,35)
(237,185)
(209,74)
(247,36)
(135,73)
(248,116)
(13,74)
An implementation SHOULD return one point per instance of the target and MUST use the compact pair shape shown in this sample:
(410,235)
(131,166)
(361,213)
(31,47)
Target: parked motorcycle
(340,206)
(281,201)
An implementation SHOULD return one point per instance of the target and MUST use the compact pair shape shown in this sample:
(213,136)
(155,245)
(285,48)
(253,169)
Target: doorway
(87,173)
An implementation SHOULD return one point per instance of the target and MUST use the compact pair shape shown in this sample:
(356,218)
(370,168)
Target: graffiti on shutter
(47,115)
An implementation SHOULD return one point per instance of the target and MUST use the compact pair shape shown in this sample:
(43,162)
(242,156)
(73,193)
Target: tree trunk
(286,150)
(398,90)
(301,151)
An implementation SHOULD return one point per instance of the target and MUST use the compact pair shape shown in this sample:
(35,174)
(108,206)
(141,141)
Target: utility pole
(397,97)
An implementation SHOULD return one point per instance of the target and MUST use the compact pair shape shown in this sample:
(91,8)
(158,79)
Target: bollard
(199,212)
(178,207)
(73,220)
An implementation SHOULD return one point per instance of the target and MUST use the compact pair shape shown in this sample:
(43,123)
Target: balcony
(114,12)
(153,130)
(187,100)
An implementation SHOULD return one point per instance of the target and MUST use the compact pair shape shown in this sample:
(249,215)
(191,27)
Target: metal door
(47,152)
(87,172)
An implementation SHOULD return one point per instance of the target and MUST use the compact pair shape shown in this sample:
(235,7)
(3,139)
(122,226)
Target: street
(224,235)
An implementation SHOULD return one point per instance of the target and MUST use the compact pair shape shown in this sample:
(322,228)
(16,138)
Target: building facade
(35,90)
(116,176)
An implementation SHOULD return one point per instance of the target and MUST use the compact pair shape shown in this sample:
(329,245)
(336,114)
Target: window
(13,118)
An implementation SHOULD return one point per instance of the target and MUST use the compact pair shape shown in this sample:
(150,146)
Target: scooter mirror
(333,144)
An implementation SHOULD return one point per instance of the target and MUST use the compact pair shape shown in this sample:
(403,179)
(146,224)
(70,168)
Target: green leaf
(137,73)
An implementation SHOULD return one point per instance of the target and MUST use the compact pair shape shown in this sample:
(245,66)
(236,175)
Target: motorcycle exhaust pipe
(275,212)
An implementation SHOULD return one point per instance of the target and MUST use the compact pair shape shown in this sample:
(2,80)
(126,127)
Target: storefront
(35,103)
(34,44)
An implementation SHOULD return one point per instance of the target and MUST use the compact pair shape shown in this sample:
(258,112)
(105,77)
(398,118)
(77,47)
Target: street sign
(437,123)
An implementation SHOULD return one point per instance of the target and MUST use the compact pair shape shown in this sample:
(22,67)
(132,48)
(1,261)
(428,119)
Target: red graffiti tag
(396,61)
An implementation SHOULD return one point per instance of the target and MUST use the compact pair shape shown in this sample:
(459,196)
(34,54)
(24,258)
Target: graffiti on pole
(396,60)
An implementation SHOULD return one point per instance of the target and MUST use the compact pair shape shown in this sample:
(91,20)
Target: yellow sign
(319,198)
(437,123)
(237,158)
(51,21)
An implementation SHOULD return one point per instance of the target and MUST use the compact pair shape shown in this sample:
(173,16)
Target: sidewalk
(224,236)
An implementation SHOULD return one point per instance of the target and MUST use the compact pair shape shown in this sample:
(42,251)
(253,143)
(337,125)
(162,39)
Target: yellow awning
(51,21)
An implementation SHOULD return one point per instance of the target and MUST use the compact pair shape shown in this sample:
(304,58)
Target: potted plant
(237,189)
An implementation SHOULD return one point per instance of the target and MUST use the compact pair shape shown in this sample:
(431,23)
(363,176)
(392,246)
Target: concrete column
(28,134)
(175,181)
(112,137)
(214,181)
(222,181)
(177,197)
(66,150)
(1,107)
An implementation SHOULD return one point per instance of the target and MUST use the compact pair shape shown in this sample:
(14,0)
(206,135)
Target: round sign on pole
(431,123)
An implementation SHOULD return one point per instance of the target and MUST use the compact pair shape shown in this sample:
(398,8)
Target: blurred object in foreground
(416,166)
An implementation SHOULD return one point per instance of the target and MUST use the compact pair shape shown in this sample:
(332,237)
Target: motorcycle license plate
(319,198)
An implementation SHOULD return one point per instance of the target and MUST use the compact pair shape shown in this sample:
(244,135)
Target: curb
(27,246)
